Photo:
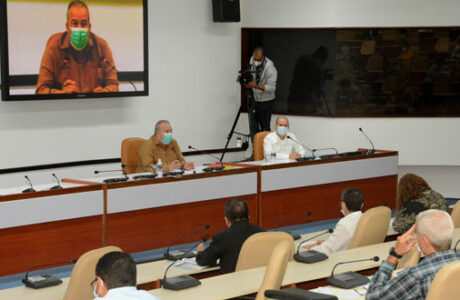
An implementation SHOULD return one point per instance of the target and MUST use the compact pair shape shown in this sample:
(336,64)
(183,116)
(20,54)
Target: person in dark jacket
(415,196)
(226,245)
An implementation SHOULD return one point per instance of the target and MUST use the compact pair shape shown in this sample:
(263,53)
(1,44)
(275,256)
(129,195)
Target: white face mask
(257,63)
(342,211)
(419,249)
(95,291)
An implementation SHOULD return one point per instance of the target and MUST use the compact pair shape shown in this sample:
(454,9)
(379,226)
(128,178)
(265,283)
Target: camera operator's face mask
(257,63)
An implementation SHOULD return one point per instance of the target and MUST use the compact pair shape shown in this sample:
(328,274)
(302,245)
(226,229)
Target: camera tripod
(249,96)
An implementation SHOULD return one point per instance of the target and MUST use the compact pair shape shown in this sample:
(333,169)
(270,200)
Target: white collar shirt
(282,147)
(342,235)
(127,293)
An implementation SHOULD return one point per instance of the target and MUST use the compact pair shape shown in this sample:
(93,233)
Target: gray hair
(281,117)
(157,125)
(437,226)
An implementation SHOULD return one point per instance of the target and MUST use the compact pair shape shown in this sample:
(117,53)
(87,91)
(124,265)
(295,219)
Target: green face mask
(79,37)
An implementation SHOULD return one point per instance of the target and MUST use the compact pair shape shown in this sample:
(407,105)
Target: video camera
(245,77)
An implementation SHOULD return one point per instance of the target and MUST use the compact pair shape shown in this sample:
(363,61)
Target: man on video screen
(77,61)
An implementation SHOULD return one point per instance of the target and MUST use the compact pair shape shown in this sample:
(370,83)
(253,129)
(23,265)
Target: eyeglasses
(93,283)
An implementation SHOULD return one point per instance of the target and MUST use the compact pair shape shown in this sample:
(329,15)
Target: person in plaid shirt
(432,231)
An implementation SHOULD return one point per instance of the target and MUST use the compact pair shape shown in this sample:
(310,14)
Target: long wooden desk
(49,226)
(248,281)
(149,214)
(289,188)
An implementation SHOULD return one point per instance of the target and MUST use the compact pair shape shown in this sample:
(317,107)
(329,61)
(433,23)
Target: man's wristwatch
(393,253)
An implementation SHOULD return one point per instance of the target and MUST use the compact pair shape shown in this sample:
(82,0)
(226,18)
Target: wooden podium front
(288,190)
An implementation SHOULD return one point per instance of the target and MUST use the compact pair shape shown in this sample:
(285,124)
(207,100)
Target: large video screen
(362,72)
(63,49)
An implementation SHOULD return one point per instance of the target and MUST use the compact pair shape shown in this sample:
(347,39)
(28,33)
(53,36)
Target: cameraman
(263,86)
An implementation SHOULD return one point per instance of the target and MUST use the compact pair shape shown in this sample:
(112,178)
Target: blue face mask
(282,130)
(167,138)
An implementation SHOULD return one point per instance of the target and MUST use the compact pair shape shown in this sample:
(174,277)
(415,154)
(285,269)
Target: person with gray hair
(282,142)
(432,232)
(162,146)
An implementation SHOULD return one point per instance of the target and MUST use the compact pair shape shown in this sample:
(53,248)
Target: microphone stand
(311,256)
(181,282)
(350,279)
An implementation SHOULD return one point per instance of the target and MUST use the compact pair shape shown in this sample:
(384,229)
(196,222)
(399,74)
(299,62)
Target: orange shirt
(152,150)
(87,67)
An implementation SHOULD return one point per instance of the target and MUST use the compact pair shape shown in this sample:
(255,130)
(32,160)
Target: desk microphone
(58,186)
(294,235)
(31,189)
(350,279)
(181,282)
(217,167)
(305,147)
(107,62)
(311,256)
(179,254)
(144,176)
(371,151)
(113,180)
(45,280)
(330,148)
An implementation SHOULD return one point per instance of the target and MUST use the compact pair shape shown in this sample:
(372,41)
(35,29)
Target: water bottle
(273,157)
(160,168)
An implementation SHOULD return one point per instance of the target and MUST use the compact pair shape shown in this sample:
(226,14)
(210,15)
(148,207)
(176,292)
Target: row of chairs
(271,249)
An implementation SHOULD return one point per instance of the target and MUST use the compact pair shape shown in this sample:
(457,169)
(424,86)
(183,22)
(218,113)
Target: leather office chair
(130,153)
(455,214)
(372,228)
(445,284)
(259,145)
(257,249)
(276,268)
(410,259)
(84,272)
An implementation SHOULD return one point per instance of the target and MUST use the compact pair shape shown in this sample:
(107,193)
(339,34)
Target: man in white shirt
(116,279)
(279,143)
(351,205)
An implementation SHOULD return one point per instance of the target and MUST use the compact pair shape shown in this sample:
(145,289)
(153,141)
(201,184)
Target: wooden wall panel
(157,227)
(26,246)
(323,200)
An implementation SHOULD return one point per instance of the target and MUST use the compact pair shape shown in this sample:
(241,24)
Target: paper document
(356,293)
(188,264)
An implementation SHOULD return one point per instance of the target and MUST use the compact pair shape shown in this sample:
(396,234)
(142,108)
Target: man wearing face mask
(433,231)
(77,60)
(350,207)
(263,87)
(162,146)
(116,279)
(277,142)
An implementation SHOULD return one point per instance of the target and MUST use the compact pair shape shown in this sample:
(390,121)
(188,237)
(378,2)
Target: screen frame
(5,80)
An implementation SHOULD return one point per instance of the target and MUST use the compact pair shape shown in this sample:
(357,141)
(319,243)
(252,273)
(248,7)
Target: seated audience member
(351,205)
(415,196)
(116,279)
(277,141)
(433,233)
(226,245)
(162,146)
